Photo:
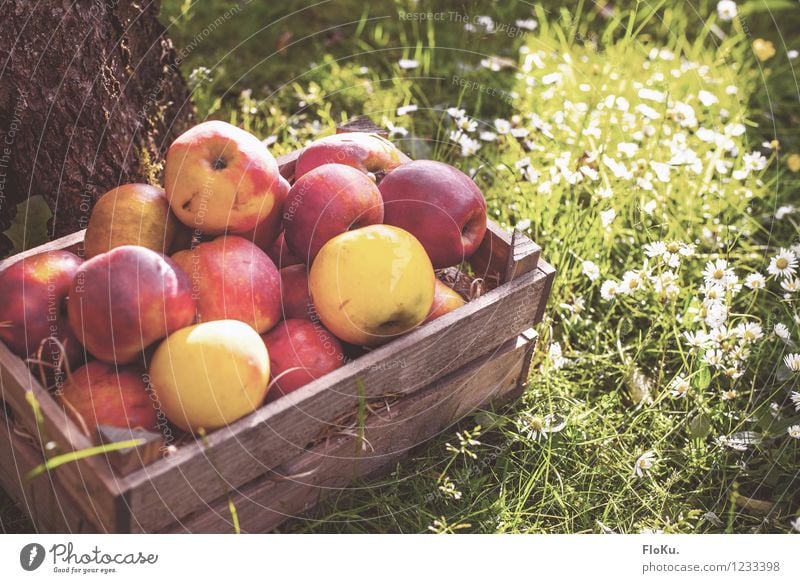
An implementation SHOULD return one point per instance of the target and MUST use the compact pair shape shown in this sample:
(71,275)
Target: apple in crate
(369,153)
(445,300)
(232,279)
(438,204)
(267,231)
(219,177)
(326,202)
(210,374)
(295,299)
(131,214)
(299,352)
(105,394)
(372,284)
(281,255)
(123,301)
(34,302)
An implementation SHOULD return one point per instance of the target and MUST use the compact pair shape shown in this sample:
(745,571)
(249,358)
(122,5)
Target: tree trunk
(90,97)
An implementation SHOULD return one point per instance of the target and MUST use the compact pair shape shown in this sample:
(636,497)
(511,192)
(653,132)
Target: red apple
(299,352)
(445,300)
(281,255)
(265,233)
(104,394)
(232,279)
(124,300)
(438,204)
(369,153)
(33,309)
(325,202)
(219,177)
(295,298)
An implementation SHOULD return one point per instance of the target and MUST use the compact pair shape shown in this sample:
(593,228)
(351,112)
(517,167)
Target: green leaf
(73,456)
(700,426)
(29,227)
(702,378)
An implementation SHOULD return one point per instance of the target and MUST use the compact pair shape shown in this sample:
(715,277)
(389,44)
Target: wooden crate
(281,460)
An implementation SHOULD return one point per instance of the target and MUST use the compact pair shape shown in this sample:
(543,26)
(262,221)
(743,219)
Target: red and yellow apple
(104,394)
(131,214)
(219,177)
(295,299)
(326,202)
(123,301)
(210,374)
(299,352)
(232,279)
(372,284)
(445,300)
(266,232)
(438,204)
(369,153)
(33,309)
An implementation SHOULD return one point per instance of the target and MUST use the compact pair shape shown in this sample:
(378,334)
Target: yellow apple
(371,284)
(131,214)
(219,177)
(210,374)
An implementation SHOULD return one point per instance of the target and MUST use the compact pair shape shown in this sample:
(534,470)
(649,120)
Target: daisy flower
(697,339)
(791,285)
(783,264)
(726,10)
(718,272)
(749,332)
(679,387)
(755,281)
(591,270)
(792,361)
(781,331)
(609,290)
(713,358)
(503,126)
(794,431)
(644,464)
(794,396)
(455,113)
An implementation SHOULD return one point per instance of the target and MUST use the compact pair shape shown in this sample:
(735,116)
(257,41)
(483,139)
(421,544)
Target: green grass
(604,370)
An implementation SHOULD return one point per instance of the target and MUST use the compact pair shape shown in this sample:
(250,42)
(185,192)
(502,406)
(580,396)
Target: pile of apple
(230,287)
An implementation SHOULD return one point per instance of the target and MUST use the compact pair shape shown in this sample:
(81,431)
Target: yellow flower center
(782,263)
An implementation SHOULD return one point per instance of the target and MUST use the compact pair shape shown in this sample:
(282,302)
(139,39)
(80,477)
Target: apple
(281,255)
(124,300)
(445,300)
(326,202)
(295,299)
(438,204)
(369,153)
(299,352)
(33,309)
(371,284)
(232,279)
(219,177)
(210,374)
(266,232)
(104,394)
(131,214)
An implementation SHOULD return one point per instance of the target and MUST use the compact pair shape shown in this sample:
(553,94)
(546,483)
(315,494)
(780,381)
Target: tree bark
(90,98)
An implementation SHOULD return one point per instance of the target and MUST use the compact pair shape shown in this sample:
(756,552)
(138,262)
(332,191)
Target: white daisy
(713,358)
(679,387)
(795,398)
(697,339)
(631,282)
(455,113)
(707,98)
(591,270)
(655,249)
(749,332)
(755,281)
(609,290)
(791,285)
(607,217)
(792,361)
(644,464)
(604,193)
(794,431)
(783,264)
(781,331)
(726,9)
(503,126)
(718,272)
(796,522)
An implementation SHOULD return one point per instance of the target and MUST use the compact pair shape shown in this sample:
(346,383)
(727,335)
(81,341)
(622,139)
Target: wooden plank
(44,501)
(162,493)
(90,481)
(361,124)
(73,242)
(286,164)
(503,255)
(388,436)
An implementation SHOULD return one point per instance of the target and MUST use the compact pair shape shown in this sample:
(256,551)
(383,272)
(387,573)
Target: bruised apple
(124,300)
(299,352)
(369,153)
(295,299)
(232,279)
(104,394)
(131,214)
(371,284)
(325,202)
(445,300)
(438,204)
(219,177)
(33,309)
(210,374)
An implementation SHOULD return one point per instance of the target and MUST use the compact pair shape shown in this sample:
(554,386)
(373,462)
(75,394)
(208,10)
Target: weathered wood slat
(279,431)
(387,437)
